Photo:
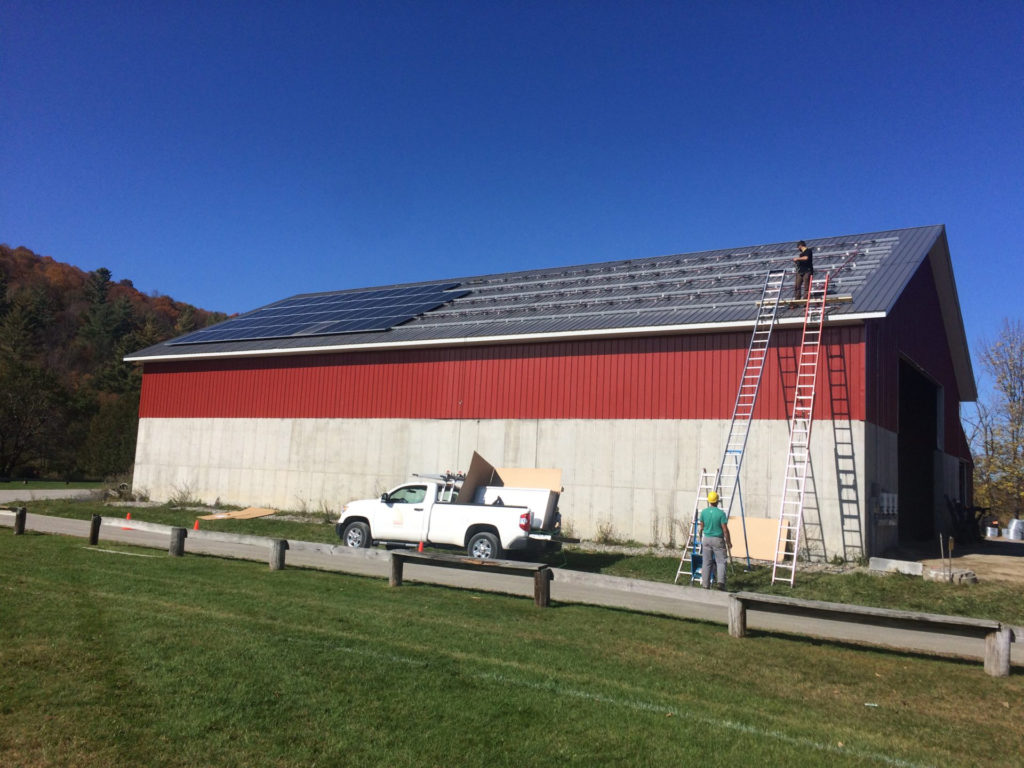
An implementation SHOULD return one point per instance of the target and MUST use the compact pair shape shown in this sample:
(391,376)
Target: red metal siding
(666,377)
(913,331)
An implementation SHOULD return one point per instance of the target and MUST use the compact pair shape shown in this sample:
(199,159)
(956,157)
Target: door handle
(417,509)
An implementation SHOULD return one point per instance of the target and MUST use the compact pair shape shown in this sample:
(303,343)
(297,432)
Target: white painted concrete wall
(638,477)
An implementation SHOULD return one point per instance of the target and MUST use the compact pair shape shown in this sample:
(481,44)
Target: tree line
(69,403)
(997,426)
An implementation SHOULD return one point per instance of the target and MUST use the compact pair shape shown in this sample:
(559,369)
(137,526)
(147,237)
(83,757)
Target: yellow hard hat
(713,497)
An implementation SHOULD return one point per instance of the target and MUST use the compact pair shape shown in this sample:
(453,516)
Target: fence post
(396,570)
(277,550)
(737,616)
(542,588)
(997,652)
(19,520)
(94,529)
(177,547)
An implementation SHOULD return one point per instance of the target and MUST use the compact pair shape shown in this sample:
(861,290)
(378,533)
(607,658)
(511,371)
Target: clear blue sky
(233,153)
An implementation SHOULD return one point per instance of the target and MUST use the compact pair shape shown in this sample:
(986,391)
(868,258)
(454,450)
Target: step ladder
(690,562)
(787,544)
(746,398)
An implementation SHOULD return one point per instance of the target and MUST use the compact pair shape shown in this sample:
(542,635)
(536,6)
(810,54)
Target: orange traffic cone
(128,517)
(195,527)
(420,548)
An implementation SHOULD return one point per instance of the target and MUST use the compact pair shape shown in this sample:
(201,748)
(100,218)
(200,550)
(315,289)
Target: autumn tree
(68,401)
(998,425)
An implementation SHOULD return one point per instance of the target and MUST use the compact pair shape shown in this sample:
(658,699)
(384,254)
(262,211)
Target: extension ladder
(787,543)
(690,562)
(746,397)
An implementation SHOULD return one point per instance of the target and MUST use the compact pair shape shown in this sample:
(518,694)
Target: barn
(623,374)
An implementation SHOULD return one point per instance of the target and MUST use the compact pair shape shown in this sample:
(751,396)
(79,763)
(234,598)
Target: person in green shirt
(713,530)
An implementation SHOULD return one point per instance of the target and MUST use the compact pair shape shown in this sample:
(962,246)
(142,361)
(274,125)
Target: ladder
(690,562)
(746,397)
(798,456)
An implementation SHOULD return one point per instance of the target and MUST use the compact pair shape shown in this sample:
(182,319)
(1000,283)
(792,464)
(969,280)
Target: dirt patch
(991,560)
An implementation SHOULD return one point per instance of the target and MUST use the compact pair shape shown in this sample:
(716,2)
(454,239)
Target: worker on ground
(713,530)
(804,269)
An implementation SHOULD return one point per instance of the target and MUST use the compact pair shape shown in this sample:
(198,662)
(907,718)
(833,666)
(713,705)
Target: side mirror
(385,498)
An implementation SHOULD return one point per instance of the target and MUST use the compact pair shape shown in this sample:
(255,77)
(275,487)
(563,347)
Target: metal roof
(665,294)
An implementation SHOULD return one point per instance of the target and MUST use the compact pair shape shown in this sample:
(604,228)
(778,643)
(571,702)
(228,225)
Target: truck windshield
(408,494)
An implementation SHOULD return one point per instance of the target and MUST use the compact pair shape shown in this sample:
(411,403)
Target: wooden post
(277,550)
(177,547)
(19,520)
(542,588)
(94,530)
(997,652)
(396,571)
(737,617)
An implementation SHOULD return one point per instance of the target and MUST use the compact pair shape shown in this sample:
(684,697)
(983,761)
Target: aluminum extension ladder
(787,542)
(746,398)
(690,562)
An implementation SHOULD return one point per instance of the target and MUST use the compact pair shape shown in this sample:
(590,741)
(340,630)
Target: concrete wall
(637,478)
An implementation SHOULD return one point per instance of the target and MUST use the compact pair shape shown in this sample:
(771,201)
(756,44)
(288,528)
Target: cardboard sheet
(482,472)
(241,514)
(761,532)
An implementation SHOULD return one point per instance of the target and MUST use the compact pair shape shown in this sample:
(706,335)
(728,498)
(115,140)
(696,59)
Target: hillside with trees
(68,403)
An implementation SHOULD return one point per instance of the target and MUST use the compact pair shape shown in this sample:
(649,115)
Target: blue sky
(233,153)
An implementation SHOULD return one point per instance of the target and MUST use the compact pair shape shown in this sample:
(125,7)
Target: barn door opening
(917,441)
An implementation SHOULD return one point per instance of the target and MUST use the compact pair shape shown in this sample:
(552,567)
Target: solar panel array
(651,291)
(327,314)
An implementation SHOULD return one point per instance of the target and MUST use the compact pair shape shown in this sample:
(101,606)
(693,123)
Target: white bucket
(992,532)
(1016,529)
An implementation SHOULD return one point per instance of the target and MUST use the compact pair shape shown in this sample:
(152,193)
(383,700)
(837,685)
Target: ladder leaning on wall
(691,561)
(787,542)
(727,480)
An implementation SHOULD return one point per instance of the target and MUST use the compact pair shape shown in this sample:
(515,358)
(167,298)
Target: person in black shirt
(804,269)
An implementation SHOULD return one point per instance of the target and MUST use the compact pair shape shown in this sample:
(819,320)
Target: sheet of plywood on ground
(762,533)
(241,514)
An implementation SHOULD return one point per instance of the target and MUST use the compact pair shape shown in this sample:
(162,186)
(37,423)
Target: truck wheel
(356,534)
(484,546)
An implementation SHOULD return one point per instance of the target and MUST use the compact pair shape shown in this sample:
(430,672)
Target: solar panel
(325,314)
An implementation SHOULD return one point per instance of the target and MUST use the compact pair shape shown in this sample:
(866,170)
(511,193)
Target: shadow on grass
(588,562)
(820,642)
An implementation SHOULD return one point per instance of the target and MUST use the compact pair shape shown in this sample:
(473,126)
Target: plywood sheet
(241,514)
(761,537)
(525,477)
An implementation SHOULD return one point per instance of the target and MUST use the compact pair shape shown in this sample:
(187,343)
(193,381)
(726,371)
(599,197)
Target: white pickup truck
(486,520)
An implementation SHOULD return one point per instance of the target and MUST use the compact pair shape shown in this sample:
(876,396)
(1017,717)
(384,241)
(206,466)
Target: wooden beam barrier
(997,636)
(541,572)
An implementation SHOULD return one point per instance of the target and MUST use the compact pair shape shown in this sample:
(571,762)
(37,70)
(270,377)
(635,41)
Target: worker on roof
(804,269)
(713,530)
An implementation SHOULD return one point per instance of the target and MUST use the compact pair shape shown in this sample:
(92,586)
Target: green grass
(989,599)
(114,659)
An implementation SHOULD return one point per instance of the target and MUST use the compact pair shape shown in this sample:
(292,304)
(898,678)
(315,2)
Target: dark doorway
(918,432)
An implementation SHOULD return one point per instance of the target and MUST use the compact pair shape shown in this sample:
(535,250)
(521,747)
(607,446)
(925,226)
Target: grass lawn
(119,656)
(988,599)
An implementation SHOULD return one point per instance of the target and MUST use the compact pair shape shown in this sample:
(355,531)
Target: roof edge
(526,338)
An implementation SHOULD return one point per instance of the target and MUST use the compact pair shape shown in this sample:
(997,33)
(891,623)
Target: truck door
(406,516)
